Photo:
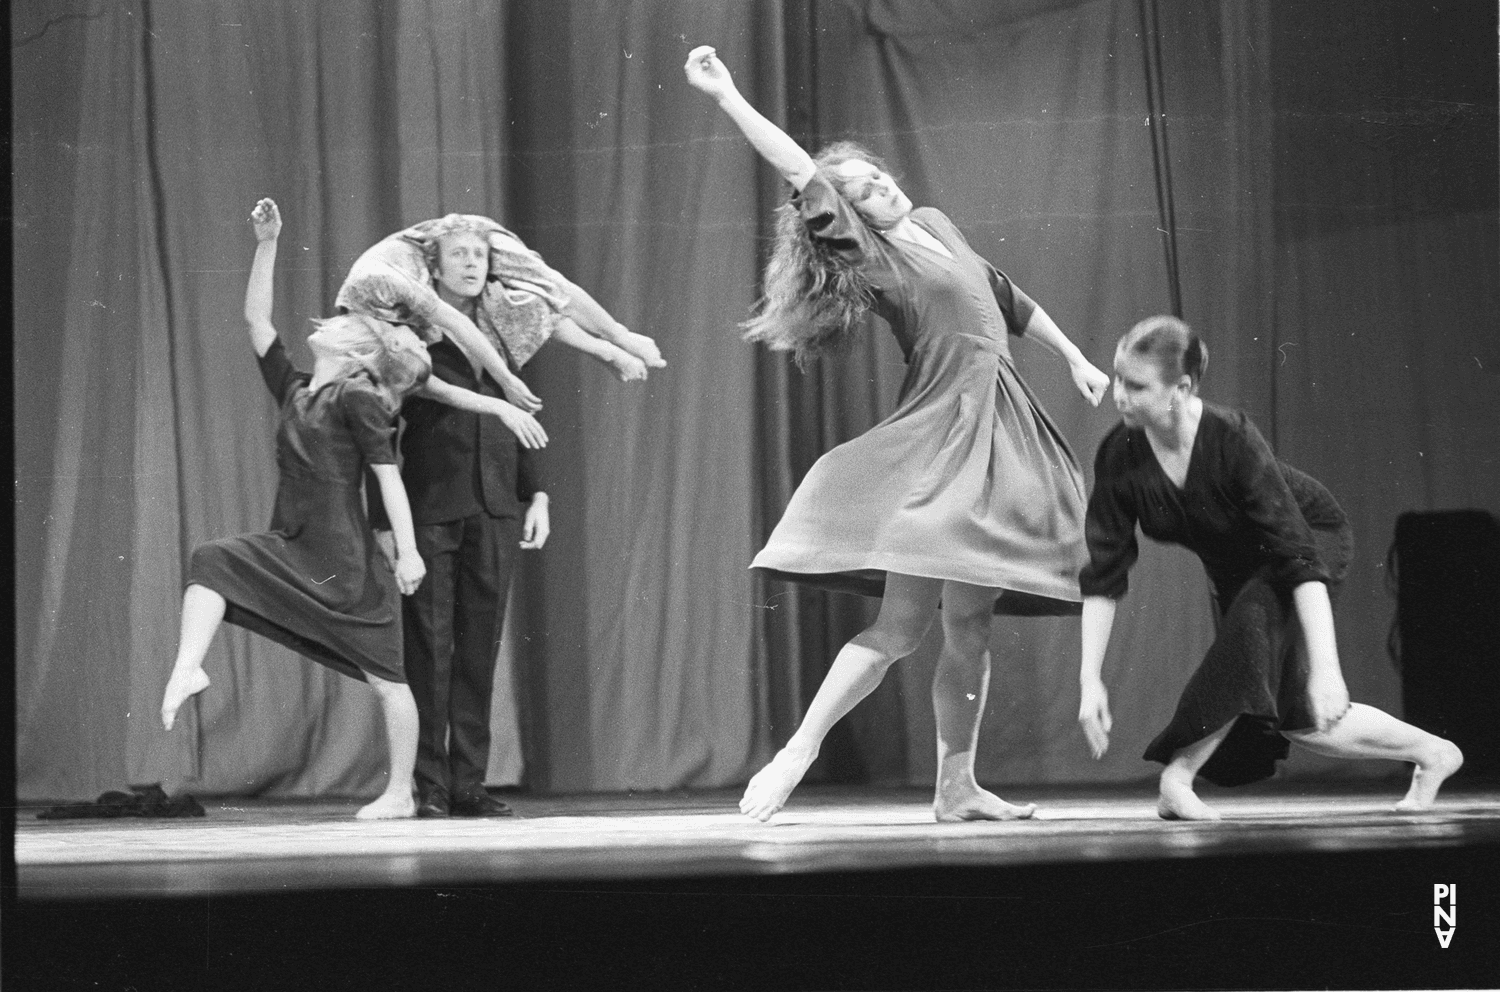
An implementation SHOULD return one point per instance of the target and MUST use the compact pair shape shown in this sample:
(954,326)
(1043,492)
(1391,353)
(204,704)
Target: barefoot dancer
(1274,543)
(967,494)
(316,582)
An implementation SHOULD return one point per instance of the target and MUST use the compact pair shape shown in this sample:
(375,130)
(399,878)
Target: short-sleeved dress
(968,479)
(517,310)
(316,581)
(1261,528)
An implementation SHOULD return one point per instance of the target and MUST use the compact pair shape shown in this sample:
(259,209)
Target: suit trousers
(451,637)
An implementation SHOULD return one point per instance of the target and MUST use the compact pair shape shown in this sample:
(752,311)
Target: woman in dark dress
(316,581)
(1274,543)
(966,494)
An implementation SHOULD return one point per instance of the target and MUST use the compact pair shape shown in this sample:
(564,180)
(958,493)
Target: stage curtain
(638,670)
(144,133)
(1387,282)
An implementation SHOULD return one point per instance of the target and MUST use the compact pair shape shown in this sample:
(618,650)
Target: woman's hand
(705,72)
(265,219)
(1328,699)
(1090,381)
(641,347)
(517,392)
(628,367)
(538,523)
(1093,715)
(410,570)
(520,423)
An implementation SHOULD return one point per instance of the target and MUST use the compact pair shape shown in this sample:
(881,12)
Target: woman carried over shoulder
(521,303)
(316,581)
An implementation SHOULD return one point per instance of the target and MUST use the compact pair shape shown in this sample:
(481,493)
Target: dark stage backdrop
(1334,184)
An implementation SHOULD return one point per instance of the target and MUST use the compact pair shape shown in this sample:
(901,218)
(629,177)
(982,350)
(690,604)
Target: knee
(967,634)
(891,643)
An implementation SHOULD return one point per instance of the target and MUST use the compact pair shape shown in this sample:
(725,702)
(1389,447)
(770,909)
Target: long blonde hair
(814,298)
(391,355)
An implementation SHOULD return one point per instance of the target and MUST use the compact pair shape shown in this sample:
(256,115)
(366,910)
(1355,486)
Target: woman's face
(873,193)
(1143,396)
(463,264)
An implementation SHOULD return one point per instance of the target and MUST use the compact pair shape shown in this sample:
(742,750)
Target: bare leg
(1366,732)
(1177,800)
(905,614)
(400,712)
(202,612)
(959,688)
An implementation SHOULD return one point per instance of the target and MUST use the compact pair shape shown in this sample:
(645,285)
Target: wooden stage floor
(1300,887)
(250,846)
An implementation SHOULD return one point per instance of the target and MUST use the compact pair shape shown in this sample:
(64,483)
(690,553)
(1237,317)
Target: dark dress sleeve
(1014,304)
(280,374)
(371,423)
(1267,500)
(833,222)
(1109,527)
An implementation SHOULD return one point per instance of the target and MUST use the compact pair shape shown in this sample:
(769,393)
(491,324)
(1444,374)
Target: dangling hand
(1093,715)
(410,570)
(705,72)
(1328,698)
(520,423)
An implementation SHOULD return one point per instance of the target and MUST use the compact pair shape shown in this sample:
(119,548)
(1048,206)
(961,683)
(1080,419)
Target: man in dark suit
(476,499)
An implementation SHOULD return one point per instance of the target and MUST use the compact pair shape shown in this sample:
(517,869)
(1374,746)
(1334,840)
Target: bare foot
(956,804)
(769,789)
(1179,802)
(179,689)
(389,807)
(1429,775)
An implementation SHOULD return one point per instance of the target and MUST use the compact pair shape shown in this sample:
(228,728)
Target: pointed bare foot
(180,688)
(954,804)
(772,785)
(1180,802)
(389,807)
(1429,775)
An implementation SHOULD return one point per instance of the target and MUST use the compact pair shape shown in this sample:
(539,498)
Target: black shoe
(434,806)
(480,805)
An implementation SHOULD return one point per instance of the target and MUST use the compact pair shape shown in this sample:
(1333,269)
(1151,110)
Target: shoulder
(1119,455)
(1232,430)
(361,398)
(932,215)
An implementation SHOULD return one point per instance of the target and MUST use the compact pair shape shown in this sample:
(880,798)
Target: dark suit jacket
(455,463)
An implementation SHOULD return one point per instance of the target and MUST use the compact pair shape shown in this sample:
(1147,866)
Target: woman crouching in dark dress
(1274,543)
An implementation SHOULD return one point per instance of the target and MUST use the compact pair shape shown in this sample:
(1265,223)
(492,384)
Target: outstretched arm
(451,321)
(265,219)
(520,423)
(1090,381)
(409,566)
(705,72)
(585,313)
(1093,710)
(627,366)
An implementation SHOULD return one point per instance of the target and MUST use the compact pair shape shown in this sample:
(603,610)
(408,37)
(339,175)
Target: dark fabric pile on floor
(146,800)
